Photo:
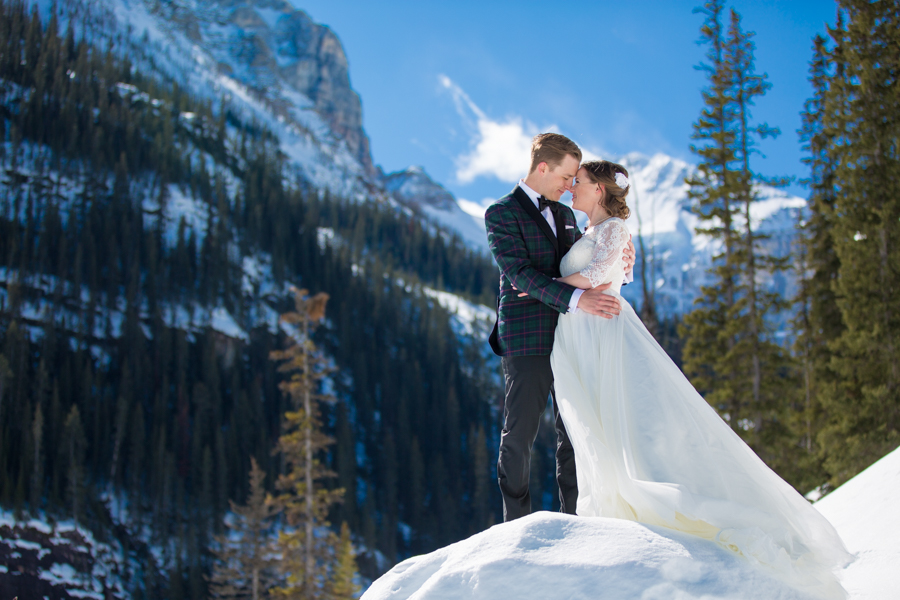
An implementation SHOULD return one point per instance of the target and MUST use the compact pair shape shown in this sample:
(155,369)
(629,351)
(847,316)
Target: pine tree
(818,321)
(772,374)
(244,560)
(306,545)
(75,447)
(481,510)
(730,350)
(5,375)
(342,585)
(707,339)
(862,116)
(37,477)
(648,297)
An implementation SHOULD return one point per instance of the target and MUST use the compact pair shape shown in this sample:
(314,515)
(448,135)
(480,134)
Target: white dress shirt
(548,215)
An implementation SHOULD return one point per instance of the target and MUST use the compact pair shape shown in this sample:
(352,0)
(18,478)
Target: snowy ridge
(469,319)
(171,208)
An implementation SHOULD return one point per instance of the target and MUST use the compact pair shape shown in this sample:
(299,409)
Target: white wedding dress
(649,448)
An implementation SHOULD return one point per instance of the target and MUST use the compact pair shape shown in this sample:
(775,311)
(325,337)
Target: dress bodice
(598,254)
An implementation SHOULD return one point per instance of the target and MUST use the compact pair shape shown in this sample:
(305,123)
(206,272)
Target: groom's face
(558,180)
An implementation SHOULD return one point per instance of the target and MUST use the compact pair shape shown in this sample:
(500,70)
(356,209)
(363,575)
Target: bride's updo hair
(604,173)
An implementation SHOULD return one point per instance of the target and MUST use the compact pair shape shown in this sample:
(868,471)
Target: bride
(648,447)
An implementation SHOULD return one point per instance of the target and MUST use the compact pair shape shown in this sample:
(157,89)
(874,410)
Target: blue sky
(458,87)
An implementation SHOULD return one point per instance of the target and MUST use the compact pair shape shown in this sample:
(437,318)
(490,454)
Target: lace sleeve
(612,238)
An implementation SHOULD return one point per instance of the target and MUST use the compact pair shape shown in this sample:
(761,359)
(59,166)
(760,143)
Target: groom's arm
(508,248)
(628,255)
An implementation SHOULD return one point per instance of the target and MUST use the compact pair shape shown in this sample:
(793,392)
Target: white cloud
(499,149)
(502,150)
(474,208)
(587,155)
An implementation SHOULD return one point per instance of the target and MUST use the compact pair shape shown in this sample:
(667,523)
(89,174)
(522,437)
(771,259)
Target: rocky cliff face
(279,53)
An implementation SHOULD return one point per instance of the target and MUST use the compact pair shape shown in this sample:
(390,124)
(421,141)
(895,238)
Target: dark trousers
(528,381)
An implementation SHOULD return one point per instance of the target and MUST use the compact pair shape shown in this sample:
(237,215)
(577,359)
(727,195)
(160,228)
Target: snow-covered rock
(413,186)
(63,560)
(864,512)
(552,555)
(420,193)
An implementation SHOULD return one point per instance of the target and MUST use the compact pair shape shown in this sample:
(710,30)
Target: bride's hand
(628,256)
(595,302)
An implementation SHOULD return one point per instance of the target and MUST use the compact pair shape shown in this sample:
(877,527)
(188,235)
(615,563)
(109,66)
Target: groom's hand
(628,256)
(595,302)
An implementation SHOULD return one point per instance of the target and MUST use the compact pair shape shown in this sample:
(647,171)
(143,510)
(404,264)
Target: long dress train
(649,448)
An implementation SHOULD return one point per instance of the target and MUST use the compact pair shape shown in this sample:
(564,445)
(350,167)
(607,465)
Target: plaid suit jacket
(528,254)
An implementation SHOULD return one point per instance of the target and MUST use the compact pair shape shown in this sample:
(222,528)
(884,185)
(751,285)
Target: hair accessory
(622,181)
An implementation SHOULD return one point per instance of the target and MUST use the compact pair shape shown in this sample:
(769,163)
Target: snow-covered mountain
(677,257)
(265,60)
(270,63)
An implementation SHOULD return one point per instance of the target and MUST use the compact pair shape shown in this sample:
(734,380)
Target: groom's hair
(552,148)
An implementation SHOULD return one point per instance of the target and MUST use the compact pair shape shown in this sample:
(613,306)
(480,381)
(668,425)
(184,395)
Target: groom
(529,232)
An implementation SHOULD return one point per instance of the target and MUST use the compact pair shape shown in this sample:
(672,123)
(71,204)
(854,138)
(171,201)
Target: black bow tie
(544,203)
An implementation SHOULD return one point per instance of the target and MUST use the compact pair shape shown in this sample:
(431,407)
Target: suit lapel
(563,237)
(529,207)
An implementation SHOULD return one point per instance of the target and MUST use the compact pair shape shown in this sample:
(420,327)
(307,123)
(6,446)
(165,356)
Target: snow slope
(864,512)
(552,555)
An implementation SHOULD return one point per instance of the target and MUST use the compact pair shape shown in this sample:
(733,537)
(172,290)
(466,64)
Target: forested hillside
(147,239)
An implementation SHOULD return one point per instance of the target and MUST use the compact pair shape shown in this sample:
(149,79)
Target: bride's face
(585,193)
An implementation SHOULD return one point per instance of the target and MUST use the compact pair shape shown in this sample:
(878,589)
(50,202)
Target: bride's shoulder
(615,225)
(610,224)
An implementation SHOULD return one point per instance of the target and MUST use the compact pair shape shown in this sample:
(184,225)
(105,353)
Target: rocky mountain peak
(414,187)
(278,51)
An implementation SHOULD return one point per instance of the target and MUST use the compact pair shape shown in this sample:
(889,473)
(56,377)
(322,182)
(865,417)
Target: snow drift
(552,555)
